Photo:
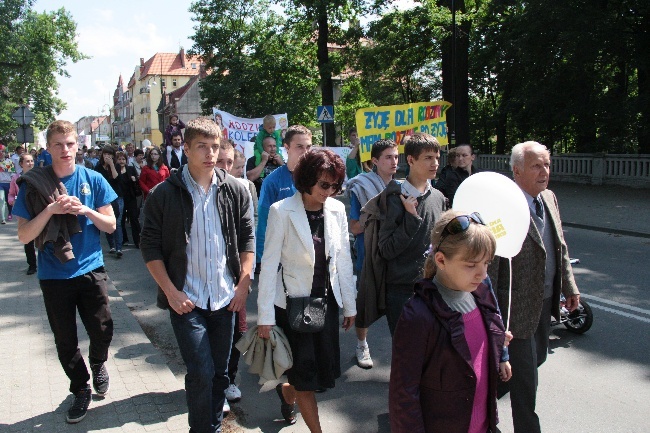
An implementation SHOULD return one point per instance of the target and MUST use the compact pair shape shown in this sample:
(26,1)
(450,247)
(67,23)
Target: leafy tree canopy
(37,48)
(259,65)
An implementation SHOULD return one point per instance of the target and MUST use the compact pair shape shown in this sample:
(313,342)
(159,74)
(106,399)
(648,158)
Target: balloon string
(509,292)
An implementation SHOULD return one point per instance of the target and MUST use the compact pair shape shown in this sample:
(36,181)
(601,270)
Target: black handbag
(307,313)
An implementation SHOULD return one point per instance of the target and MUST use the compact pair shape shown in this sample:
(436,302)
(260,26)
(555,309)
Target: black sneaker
(118,254)
(31,270)
(79,407)
(100,379)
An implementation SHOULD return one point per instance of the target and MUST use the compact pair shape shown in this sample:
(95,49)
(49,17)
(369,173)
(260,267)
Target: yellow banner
(399,121)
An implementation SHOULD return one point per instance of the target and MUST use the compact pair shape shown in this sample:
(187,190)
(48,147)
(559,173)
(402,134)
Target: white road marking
(616,304)
(620,313)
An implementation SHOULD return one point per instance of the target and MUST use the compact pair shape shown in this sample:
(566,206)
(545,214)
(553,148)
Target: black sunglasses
(326,185)
(458,225)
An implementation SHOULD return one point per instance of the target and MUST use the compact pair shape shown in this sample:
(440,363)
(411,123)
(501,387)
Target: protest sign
(399,121)
(242,130)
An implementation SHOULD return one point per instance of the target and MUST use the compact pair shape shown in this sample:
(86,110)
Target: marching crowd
(206,231)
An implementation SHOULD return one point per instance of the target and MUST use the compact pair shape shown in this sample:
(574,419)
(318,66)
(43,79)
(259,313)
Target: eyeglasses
(326,185)
(458,225)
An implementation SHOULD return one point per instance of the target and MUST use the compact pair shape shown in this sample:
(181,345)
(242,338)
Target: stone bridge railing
(594,169)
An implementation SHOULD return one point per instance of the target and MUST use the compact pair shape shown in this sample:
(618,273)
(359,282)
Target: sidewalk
(144,395)
(613,209)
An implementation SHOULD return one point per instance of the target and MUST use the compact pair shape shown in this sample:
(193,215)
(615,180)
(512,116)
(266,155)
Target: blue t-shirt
(45,157)
(93,191)
(276,186)
(355,214)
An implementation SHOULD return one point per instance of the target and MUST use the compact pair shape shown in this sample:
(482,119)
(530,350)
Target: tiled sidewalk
(34,397)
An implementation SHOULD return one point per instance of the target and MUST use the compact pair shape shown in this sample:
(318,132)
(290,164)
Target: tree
(327,18)
(397,57)
(259,65)
(568,74)
(37,48)
(353,98)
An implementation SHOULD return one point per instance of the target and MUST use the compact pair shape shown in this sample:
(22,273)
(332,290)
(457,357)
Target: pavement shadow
(143,409)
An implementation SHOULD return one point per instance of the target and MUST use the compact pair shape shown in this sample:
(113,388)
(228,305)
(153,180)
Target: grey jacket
(168,220)
(528,275)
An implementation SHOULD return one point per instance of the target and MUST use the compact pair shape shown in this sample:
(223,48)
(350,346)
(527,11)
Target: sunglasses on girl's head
(459,225)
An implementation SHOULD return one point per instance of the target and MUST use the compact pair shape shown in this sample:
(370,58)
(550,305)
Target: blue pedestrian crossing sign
(325,114)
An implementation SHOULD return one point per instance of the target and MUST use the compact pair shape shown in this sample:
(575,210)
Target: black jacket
(168,220)
(450,179)
(182,161)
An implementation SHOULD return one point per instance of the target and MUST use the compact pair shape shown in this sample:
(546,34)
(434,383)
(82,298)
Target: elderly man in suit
(540,272)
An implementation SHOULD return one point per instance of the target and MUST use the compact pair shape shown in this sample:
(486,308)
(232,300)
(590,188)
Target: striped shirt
(208,283)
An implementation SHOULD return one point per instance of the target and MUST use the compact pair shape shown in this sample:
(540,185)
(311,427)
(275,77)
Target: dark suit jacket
(168,163)
(528,274)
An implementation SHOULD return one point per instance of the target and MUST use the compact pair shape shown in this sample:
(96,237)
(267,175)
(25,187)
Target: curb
(607,230)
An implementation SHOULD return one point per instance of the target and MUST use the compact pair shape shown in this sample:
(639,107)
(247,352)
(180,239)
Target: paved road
(595,382)
(600,381)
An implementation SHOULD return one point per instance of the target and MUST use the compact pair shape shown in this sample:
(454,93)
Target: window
(174,82)
(162,81)
(193,65)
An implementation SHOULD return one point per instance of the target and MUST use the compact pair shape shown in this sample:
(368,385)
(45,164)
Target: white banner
(242,131)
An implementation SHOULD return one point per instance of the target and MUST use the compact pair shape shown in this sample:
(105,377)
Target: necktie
(538,208)
(174,163)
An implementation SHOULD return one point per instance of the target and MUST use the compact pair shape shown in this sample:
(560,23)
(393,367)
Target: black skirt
(316,356)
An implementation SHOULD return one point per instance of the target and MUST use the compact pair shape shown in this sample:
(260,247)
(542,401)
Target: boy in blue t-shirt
(44,159)
(361,188)
(71,274)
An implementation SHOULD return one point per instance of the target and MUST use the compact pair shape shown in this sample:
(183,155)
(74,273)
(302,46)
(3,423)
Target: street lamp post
(162,100)
(108,109)
(453,73)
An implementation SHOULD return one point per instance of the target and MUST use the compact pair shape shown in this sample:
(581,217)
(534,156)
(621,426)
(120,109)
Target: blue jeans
(3,205)
(204,339)
(115,239)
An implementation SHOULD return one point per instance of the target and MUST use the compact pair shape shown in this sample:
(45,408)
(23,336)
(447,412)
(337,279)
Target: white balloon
(146,142)
(502,205)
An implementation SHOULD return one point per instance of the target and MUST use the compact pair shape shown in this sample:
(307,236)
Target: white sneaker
(233,393)
(363,357)
(226,408)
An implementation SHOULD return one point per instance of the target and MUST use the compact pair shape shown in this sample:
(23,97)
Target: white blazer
(289,242)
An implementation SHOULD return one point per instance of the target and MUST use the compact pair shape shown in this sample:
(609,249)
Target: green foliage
(259,64)
(563,73)
(353,98)
(37,48)
(574,75)
(398,57)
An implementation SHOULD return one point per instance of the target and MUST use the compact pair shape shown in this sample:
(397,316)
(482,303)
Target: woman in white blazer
(303,232)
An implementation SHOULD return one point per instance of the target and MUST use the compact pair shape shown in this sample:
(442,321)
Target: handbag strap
(327,278)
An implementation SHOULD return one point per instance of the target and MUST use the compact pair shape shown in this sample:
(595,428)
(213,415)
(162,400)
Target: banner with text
(399,121)
(242,131)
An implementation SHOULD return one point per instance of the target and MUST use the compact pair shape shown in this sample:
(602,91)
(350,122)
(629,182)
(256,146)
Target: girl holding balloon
(449,339)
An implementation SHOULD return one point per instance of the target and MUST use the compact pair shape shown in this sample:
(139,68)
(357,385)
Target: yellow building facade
(151,81)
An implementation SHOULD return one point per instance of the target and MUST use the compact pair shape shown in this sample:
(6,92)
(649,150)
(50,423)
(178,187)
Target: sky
(116,34)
